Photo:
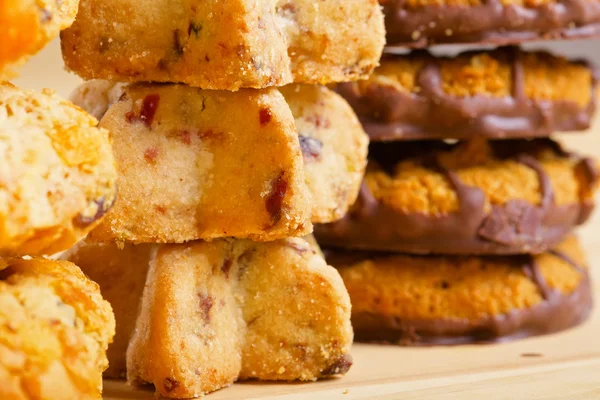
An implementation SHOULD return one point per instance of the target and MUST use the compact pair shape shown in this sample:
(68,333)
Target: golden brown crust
(236,309)
(187,173)
(546,77)
(266,43)
(414,288)
(333,143)
(28,25)
(55,331)
(415,187)
(58,182)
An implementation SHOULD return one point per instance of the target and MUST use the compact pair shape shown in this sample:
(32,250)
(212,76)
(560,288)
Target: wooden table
(564,366)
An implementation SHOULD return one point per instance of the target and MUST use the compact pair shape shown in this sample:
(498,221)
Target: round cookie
(54,331)
(475,197)
(28,25)
(422,23)
(203,164)
(334,145)
(225,45)
(58,174)
(419,300)
(504,93)
(240,309)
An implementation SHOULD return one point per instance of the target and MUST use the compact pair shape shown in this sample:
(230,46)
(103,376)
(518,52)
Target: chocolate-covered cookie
(476,197)
(421,23)
(424,300)
(502,93)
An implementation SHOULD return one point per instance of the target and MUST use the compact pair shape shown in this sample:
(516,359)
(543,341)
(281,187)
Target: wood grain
(566,366)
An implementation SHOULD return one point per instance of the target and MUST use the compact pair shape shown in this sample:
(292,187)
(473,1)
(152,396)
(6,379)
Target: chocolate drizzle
(556,312)
(515,227)
(389,114)
(489,22)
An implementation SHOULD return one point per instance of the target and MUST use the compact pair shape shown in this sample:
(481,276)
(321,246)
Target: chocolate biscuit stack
(463,230)
(201,256)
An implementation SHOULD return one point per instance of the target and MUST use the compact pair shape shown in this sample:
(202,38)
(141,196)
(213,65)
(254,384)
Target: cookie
(58,173)
(28,25)
(504,93)
(417,300)
(474,197)
(332,141)
(199,164)
(422,23)
(236,309)
(225,45)
(54,331)
(121,274)
(334,148)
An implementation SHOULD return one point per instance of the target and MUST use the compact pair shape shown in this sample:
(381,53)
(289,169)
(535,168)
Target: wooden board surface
(564,366)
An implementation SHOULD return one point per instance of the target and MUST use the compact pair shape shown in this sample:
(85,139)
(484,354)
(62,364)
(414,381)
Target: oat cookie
(58,173)
(55,328)
(416,300)
(421,23)
(473,197)
(28,25)
(497,94)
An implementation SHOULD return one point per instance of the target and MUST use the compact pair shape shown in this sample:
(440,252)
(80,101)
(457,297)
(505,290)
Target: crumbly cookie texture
(399,290)
(187,173)
(498,94)
(546,77)
(55,328)
(236,309)
(332,141)
(28,25)
(413,186)
(58,173)
(334,147)
(265,43)
(121,274)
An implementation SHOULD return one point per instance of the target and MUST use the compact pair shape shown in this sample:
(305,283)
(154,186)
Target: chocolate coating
(491,22)
(555,313)
(389,114)
(513,228)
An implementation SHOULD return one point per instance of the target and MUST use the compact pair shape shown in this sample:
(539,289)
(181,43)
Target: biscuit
(422,23)
(334,148)
(225,44)
(121,274)
(416,300)
(504,93)
(58,173)
(197,164)
(474,197)
(213,313)
(334,145)
(54,331)
(28,25)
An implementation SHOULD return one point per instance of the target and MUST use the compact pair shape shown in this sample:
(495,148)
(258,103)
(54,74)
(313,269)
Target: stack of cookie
(57,179)
(202,256)
(463,228)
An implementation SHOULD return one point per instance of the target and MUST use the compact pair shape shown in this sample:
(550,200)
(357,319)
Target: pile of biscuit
(463,230)
(228,149)
(57,180)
